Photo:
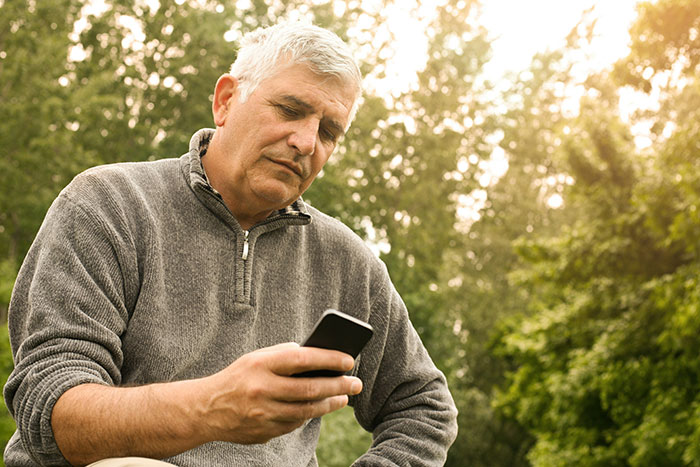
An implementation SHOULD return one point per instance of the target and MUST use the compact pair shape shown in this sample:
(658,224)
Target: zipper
(246,233)
(246,246)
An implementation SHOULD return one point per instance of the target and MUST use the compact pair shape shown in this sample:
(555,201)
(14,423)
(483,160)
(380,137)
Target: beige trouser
(128,462)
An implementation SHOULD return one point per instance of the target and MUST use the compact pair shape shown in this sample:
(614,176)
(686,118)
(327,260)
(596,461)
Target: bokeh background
(538,211)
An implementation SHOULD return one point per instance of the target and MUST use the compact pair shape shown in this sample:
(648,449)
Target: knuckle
(256,413)
(310,390)
(256,390)
(308,410)
(257,362)
(302,358)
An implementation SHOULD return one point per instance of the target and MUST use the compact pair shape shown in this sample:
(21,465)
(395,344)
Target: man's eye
(327,135)
(287,111)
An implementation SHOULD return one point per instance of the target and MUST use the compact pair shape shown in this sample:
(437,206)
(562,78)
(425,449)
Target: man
(156,313)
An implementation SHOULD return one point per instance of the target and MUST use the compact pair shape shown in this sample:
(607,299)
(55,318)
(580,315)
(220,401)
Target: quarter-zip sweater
(141,274)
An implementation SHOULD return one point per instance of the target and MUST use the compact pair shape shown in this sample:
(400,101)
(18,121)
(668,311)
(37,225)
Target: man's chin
(277,197)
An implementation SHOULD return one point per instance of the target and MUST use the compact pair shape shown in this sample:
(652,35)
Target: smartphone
(337,331)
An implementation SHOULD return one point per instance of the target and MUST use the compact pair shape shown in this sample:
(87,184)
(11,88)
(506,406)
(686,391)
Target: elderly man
(157,311)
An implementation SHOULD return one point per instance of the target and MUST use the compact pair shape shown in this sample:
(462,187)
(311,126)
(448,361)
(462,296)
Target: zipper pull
(245,245)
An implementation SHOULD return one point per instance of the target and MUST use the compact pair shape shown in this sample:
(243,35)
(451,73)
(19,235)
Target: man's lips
(291,165)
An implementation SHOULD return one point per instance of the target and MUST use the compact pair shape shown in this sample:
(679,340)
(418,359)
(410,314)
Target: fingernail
(349,362)
(356,386)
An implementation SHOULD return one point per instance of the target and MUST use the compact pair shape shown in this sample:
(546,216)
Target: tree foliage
(604,367)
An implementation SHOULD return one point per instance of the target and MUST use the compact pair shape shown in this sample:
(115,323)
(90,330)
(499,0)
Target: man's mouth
(291,165)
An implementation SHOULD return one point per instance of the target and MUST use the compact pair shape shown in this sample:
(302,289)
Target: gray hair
(295,42)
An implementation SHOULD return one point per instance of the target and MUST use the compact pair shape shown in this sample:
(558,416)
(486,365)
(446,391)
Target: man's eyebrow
(295,100)
(336,127)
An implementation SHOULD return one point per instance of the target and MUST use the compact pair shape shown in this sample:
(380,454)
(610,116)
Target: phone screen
(338,331)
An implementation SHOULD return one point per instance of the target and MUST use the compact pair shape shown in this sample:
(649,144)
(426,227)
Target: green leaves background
(568,334)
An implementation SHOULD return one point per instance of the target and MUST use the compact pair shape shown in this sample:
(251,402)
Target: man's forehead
(327,96)
(294,74)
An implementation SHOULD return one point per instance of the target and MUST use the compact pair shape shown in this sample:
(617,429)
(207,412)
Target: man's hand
(251,401)
(256,398)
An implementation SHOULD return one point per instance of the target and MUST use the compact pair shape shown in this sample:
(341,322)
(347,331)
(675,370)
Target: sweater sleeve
(406,403)
(66,316)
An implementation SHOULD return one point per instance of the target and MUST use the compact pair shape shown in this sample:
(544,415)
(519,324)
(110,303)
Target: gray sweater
(138,275)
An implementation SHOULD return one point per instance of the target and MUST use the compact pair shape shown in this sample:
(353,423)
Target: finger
(298,412)
(278,347)
(301,359)
(318,388)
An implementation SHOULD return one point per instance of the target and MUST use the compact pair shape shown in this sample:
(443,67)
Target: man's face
(275,143)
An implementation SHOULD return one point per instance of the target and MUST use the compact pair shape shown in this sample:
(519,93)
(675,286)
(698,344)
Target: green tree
(604,368)
(531,119)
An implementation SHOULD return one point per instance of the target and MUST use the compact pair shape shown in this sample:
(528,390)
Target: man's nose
(304,137)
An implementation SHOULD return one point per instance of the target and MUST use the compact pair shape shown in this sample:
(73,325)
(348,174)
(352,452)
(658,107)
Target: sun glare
(520,29)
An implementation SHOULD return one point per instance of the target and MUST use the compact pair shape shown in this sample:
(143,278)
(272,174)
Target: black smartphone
(337,331)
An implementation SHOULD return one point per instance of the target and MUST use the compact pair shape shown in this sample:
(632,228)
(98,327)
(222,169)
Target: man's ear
(224,94)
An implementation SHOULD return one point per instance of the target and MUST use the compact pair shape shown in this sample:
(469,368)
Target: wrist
(186,404)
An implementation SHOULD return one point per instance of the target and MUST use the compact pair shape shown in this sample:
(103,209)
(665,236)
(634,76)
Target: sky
(523,27)
(518,29)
